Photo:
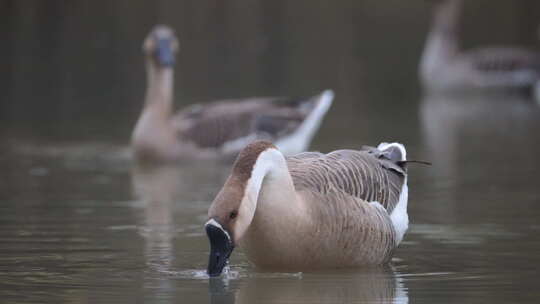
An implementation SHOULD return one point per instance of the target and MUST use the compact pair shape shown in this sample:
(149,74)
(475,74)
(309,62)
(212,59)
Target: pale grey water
(79,223)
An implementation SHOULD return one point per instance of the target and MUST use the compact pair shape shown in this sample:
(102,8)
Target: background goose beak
(221,248)
(164,52)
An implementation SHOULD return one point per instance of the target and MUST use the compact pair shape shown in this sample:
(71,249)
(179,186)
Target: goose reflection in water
(371,285)
(163,190)
(503,121)
(468,136)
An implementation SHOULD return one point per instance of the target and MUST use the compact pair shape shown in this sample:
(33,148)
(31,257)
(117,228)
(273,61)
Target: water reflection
(156,188)
(170,189)
(377,285)
(220,293)
(485,123)
(174,199)
(469,136)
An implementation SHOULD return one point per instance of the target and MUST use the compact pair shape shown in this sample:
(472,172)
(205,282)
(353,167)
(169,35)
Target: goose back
(361,174)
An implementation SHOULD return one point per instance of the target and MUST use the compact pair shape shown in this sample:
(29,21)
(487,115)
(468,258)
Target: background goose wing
(234,123)
(506,65)
(214,124)
(275,124)
(504,59)
(360,174)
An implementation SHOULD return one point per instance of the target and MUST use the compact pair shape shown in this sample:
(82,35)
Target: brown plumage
(314,210)
(243,166)
(357,173)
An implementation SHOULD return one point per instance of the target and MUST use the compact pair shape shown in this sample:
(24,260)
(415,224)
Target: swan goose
(445,67)
(346,208)
(218,128)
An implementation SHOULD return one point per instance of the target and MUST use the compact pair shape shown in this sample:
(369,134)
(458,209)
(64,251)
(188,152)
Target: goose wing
(350,220)
(212,125)
(369,175)
(506,65)
(234,123)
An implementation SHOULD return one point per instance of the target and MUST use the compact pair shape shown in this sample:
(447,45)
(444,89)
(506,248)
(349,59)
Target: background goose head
(161,46)
(233,208)
(446,13)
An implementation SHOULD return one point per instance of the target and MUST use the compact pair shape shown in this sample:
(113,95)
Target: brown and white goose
(347,208)
(444,66)
(218,128)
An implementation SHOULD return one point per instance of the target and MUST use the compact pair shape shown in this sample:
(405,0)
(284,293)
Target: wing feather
(356,173)
(219,123)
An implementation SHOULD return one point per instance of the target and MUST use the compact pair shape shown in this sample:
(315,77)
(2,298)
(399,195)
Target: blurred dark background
(73,70)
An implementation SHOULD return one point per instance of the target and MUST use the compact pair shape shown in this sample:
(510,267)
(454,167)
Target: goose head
(233,209)
(161,46)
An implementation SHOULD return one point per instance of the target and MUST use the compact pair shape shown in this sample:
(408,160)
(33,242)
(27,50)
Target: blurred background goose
(445,67)
(347,208)
(217,128)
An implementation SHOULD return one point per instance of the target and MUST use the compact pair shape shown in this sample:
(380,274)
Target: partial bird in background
(445,67)
(220,128)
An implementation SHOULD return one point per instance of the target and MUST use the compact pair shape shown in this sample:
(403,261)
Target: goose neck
(442,42)
(159,92)
(271,199)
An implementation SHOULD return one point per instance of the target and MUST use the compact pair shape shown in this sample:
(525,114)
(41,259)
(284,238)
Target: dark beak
(164,53)
(221,247)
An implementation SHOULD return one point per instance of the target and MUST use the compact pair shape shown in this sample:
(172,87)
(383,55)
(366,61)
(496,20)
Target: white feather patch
(384,146)
(399,216)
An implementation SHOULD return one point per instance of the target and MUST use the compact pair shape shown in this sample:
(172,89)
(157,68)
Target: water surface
(80,223)
(93,226)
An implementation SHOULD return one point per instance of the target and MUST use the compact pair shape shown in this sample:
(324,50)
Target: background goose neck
(159,93)
(442,43)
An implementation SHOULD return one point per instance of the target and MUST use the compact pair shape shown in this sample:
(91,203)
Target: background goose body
(227,126)
(445,67)
(219,128)
(343,209)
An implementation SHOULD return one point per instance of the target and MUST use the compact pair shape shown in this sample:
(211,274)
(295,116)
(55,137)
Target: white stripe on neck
(270,166)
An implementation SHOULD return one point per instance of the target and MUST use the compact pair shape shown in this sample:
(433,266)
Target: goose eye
(233,214)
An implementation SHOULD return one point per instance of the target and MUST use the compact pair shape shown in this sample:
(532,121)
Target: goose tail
(395,151)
